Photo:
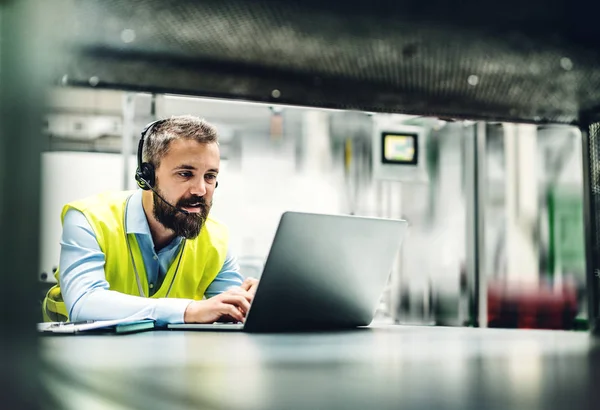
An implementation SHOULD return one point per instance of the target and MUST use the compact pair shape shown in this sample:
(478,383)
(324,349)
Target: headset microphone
(183,211)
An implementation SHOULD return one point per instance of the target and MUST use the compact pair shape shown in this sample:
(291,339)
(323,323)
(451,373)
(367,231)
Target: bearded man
(155,252)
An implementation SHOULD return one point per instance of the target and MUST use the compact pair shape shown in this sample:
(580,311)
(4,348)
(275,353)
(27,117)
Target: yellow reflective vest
(201,261)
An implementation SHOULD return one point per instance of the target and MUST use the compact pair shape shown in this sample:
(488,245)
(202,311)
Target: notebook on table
(118,326)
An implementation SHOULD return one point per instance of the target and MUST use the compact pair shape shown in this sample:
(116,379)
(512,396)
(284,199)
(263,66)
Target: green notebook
(135,327)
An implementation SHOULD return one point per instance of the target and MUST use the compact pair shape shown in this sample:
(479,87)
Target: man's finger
(230,310)
(241,292)
(226,319)
(250,284)
(236,300)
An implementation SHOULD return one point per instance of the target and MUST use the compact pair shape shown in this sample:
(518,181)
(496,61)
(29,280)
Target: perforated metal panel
(514,60)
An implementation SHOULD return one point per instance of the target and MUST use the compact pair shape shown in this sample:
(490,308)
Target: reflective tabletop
(382,367)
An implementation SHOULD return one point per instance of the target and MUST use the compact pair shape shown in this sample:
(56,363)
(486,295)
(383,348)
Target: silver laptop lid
(325,271)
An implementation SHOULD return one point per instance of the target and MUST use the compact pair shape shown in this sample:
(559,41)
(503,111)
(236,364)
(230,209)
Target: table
(380,367)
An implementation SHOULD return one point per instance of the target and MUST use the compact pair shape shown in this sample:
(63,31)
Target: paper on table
(73,327)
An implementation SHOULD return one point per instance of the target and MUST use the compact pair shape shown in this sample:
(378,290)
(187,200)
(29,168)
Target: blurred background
(494,204)
(495,209)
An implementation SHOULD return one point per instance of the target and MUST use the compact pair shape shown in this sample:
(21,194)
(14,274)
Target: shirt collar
(136,217)
(136,222)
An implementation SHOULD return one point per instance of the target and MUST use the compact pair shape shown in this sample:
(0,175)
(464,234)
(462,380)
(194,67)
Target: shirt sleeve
(229,276)
(84,287)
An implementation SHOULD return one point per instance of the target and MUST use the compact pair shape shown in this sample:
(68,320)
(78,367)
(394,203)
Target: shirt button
(155,257)
(151,285)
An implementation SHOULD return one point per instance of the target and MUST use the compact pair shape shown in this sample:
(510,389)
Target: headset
(145,174)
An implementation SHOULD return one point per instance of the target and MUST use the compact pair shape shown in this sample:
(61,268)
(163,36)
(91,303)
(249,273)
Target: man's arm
(85,289)
(229,277)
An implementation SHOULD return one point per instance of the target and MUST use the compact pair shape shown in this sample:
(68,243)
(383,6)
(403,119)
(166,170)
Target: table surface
(380,367)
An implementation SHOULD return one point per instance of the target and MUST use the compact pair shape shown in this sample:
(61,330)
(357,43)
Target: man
(154,252)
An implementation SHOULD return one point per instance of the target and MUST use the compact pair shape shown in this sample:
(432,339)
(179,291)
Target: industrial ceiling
(527,61)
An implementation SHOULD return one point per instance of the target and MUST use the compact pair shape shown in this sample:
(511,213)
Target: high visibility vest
(188,276)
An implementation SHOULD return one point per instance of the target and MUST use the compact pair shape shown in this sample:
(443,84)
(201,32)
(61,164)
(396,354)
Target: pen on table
(81,322)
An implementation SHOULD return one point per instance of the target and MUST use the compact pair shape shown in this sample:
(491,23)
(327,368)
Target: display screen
(399,148)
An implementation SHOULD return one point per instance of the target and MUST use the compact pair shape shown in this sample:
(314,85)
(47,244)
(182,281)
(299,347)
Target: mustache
(191,201)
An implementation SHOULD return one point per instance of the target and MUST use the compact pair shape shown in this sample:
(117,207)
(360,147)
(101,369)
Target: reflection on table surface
(377,367)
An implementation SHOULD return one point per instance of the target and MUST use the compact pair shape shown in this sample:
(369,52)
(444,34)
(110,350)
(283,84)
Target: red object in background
(513,305)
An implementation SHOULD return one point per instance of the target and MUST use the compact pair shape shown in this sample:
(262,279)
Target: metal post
(475,180)
(29,51)
(470,270)
(127,143)
(591,208)
(480,200)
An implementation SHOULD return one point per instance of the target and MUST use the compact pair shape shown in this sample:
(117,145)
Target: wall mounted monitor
(399,148)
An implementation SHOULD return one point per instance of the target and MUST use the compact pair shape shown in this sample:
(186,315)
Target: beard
(186,225)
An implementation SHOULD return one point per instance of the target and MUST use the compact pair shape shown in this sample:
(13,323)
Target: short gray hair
(156,143)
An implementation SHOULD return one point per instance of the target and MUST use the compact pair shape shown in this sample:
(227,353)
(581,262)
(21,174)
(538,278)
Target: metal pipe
(127,143)
(480,200)
(590,153)
(475,194)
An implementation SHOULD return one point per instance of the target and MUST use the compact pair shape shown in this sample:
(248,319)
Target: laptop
(323,272)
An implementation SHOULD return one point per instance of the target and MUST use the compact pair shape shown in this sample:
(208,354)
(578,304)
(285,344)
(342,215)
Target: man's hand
(230,306)
(250,285)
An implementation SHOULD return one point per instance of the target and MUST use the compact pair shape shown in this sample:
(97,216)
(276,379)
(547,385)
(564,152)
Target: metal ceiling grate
(518,61)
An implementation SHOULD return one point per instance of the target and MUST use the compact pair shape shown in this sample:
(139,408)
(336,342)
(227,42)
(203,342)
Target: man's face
(186,178)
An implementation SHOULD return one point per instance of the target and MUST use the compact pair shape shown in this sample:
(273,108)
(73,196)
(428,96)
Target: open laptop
(323,272)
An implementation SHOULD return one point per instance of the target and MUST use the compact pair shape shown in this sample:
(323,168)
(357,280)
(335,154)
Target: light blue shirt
(83,283)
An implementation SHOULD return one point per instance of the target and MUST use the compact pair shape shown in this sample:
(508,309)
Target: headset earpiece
(217,184)
(144,174)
